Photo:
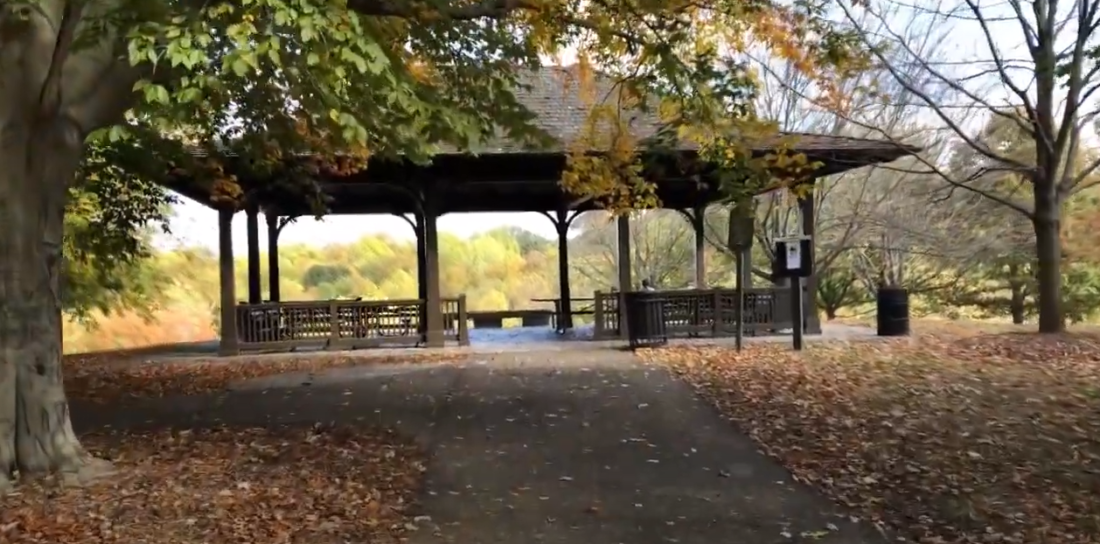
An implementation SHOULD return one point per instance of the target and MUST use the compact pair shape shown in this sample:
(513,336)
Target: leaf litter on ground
(947,438)
(319,486)
(114,377)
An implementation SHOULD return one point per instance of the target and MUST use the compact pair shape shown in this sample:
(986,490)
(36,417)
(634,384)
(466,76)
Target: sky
(196,225)
(193,224)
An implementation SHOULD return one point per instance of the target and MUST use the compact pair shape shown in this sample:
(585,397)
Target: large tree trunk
(1048,252)
(39,159)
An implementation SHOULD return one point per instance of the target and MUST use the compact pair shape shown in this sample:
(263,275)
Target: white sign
(793,252)
(794,255)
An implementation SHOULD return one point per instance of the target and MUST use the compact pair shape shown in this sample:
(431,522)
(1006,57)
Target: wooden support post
(252,223)
(421,271)
(562,221)
(698,216)
(463,322)
(625,282)
(273,293)
(809,220)
(433,300)
(228,344)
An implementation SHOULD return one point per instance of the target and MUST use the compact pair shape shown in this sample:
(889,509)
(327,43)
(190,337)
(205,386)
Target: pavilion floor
(533,339)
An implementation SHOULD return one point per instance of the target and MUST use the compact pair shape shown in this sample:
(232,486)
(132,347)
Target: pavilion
(500,177)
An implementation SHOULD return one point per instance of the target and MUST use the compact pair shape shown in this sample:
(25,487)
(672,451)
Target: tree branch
(485,9)
(49,96)
(998,60)
(414,9)
(106,100)
(931,103)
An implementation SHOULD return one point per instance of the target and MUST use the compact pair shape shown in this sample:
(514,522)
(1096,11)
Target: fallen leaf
(946,436)
(104,379)
(203,486)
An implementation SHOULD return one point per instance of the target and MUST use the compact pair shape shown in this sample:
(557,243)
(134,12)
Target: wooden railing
(691,313)
(345,324)
(580,306)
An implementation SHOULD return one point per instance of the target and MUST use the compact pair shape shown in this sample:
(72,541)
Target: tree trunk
(1017,298)
(1048,252)
(39,159)
(1016,304)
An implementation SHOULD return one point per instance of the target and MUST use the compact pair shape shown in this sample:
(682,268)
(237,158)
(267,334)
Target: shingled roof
(562,104)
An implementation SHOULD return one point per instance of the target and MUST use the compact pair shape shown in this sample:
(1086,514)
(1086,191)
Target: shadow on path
(555,447)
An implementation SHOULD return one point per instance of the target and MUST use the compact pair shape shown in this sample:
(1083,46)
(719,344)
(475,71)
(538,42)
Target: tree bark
(1017,300)
(1048,272)
(1017,304)
(40,159)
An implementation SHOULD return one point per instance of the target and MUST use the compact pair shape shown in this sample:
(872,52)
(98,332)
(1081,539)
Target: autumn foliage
(945,438)
(228,485)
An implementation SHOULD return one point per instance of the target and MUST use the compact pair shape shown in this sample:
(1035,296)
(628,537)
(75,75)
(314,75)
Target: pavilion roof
(561,103)
(506,175)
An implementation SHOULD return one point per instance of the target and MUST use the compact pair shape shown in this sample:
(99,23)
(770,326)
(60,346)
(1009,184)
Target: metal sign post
(796,313)
(739,313)
(794,261)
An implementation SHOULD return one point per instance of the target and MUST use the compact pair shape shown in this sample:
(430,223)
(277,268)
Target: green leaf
(379,62)
(155,94)
(117,133)
(240,66)
(189,94)
(354,58)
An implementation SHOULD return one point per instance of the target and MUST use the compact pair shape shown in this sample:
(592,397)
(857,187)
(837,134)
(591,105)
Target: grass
(128,330)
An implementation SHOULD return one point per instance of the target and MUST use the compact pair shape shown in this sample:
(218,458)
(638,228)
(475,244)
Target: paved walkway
(553,447)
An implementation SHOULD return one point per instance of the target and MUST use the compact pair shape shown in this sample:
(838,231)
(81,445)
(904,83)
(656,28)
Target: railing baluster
(717,319)
(334,322)
(598,324)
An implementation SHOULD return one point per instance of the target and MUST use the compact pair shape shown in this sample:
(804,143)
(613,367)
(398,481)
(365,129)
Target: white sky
(196,225)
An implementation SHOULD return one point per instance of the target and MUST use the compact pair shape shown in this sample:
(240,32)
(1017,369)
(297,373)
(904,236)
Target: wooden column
(562,219)
(253,225)
(433,299)
(421,267)
(272,257)
(625,281)
(623,247)
(228,344)
(696,216)
(809,301)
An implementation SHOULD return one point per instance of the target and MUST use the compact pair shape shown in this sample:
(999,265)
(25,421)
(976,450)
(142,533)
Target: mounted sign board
(740,232)
(742,223)
(794,257)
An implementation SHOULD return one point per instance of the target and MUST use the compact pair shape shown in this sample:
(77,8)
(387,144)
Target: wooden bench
(495,319)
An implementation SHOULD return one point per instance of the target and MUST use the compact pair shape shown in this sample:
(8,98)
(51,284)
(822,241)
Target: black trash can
(645,319)
(893,311)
